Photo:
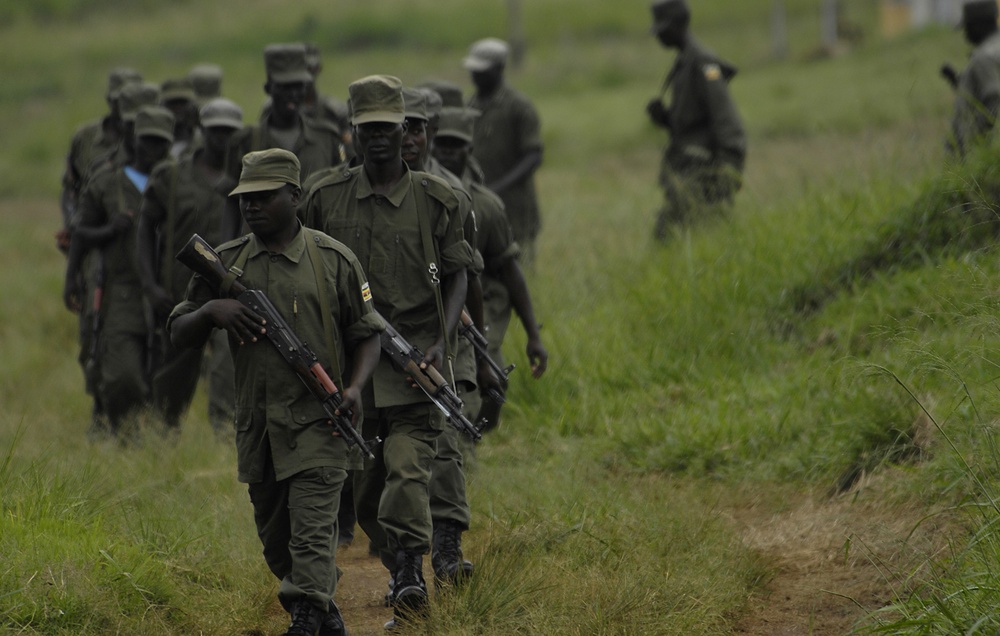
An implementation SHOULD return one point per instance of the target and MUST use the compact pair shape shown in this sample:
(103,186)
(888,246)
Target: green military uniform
(282,433)
(317,144)
(507,128)
(180,201)
(385,232)
(977,99)
(703,163)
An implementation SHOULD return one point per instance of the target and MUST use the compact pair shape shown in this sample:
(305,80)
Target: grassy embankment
(682,378)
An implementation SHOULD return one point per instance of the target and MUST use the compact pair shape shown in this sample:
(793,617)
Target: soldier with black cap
(703,163)
(286,452)
(407,233)
(108,207)
(185,197)
(977,87)
(283,124)
(508,136)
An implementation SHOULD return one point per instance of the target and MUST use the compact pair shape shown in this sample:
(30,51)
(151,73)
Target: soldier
(406,231)
(508,143)
(294,465)
(283,124)
(502,280)
(183,198)
(206,80)
(702,166)
(178,96)
(108,207)
(977,87)
(326,107)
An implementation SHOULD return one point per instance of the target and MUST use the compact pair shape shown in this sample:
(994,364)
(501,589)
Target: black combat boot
(333,622)
(409,592)
(306,618)
(449,565)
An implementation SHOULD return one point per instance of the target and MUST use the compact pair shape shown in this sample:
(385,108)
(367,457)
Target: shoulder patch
(713,72)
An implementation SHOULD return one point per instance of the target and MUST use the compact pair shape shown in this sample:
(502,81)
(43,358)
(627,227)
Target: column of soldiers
(398,229)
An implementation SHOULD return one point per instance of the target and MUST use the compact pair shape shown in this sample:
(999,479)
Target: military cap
(313,58)
(177,89)
(667,11)
(154,121)
(486,54)
(206,80)
(377,98)
(450,92)
(221,112)
(457,122)
(119,77)
(979,11)
(414,103)
(268,170)
(286,63)
(434,102)
(134,96)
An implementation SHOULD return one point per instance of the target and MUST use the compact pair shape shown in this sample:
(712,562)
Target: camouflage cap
(206,80)
(377,98)
(119,77)
(486,54)
(266,170)
(457,122)
(979,11)
(154,121)
(221,112)
(667,11)
(414,103)
(450,92)
(136,95)
(177,89)
(286,63)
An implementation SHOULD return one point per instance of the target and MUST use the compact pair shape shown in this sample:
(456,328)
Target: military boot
(333,622)
(306,618)
(447,560)
(409,592)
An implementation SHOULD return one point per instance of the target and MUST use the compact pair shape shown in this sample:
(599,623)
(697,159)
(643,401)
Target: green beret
(266,170)
(286,63)
(134,96)
(221,112)
(119,77)
(154,121)
(486,54)
(377,98)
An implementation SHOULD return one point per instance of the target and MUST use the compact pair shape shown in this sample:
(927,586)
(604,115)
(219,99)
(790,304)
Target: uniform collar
(397,194)
(296,248)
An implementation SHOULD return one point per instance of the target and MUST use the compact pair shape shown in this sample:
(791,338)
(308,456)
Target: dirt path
(833,559)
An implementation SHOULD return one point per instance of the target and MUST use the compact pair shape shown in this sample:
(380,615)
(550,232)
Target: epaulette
(326,241)
(236,242)
(486,193)
(334,175)
(437,188)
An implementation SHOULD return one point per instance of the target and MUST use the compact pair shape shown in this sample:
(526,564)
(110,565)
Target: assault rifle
(489,413)
(407,358)
(203,260)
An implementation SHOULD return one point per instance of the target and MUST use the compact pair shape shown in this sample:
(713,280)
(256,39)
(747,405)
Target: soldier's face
(270,212)
(452,152)
(486,81)
(217,137)
(414,144)
(670,32)
(150,150)
(286,97)
(380,142)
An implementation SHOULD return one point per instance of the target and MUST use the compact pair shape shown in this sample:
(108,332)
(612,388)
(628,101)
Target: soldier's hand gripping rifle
(407,359)
(489,413)
(203,260)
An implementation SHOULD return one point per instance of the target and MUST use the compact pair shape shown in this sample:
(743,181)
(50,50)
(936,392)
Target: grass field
(687,403)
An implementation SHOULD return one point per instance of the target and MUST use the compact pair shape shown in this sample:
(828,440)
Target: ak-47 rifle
(90,369)
(489,413)
(203,260)
(407,358)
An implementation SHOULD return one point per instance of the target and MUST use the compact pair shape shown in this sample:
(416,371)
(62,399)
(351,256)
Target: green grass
(681,376)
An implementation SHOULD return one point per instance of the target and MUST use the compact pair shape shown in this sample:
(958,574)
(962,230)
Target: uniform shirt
(181,202)
(705,127)
(317,145)
(384,232)
(275,413)
(507,129)
(110,193)
(92,140)
(977,100)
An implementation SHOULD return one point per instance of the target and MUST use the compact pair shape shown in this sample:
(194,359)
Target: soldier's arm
(512,277)
(727,128)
